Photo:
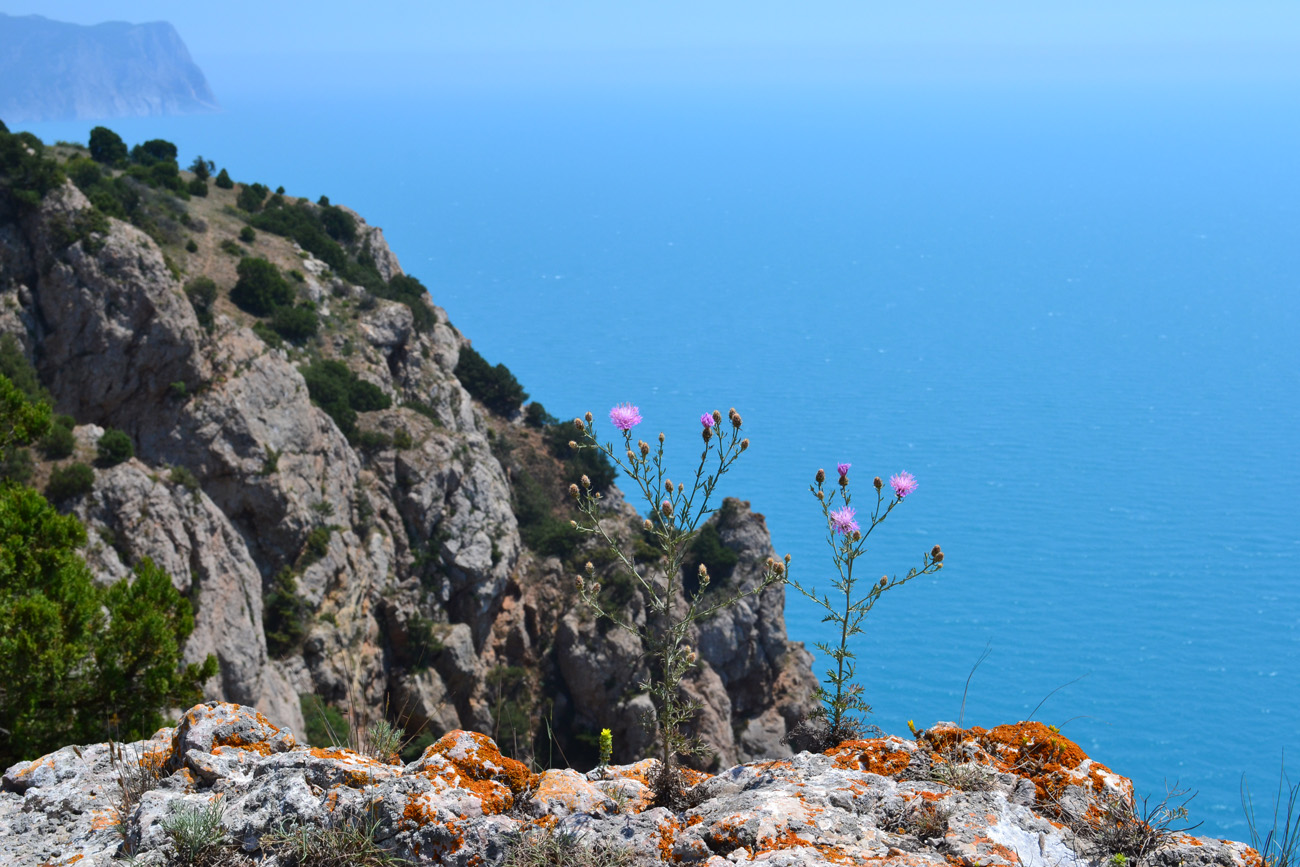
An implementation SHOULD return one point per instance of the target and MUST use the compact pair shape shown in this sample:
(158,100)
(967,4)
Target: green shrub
(197,187)
(26,177)
(402,438)
(372,440)
(223,180)
(296,324)
(260,288)
(250,197)
(592,463)
(153,152)
(324,725)
(107,146)
(58,443)
(16,465)
(183,477)
(494,387)
(413,294)
(336,389)
(707,548)
(247,235)
(202,292)
(74,480)
(284,615)
(539,527)
(202,168)
(114,447)
(229,245)
(15,366)
(316,547)
(338,224)
(535,415)
(191,246)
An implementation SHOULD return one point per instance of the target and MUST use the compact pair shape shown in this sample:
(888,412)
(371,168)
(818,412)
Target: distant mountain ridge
(51,70)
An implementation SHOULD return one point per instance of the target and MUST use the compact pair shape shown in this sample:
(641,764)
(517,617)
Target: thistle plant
(676,513)
(838,718)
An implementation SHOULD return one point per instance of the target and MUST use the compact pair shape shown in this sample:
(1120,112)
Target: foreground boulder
(1013,795)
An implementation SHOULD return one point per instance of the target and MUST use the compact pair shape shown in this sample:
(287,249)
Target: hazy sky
(1079,39)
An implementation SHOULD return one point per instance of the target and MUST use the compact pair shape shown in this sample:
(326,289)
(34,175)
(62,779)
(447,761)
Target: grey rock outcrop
(463,803)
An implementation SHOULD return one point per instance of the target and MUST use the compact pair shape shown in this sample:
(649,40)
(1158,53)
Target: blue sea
(1072,314)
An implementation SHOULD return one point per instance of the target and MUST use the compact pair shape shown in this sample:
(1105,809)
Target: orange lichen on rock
(788,839)
(1030,750)
(667,833)
(883,756)
(476,757)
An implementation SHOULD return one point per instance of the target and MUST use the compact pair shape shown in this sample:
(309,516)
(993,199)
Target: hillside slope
(353,527)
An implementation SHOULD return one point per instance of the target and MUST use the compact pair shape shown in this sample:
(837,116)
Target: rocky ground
(1015,795)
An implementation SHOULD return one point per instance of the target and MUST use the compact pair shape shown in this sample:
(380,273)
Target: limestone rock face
(386,574)
(461,802)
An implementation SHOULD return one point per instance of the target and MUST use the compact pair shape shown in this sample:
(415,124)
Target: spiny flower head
(843,468)
(707,420)
(903,484)
(842,520)
(625,416)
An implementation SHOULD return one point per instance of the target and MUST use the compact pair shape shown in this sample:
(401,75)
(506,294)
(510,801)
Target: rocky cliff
(51,70)
(382,569)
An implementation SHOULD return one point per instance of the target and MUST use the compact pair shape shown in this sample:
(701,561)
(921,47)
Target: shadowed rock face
(50,70)
(462,802)
(413,594)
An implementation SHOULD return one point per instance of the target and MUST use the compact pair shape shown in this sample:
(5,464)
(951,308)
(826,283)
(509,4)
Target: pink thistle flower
(843,468)
(625,416)
(706,420)
(842,521)
(903,484)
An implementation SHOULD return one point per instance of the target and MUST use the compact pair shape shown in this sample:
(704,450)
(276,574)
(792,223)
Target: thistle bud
(787,559)
(586,482)
(595,588)
(661,437)
(573,524)
(588,417)
(938,558)
(778,568)
(857,536)
(877,483)
(744,444)
(707,434)
(935,552)
(572,444)
(631,457)
(769,562)
(717,417)
(884,579)
(820,495)
(590,567)
(666,508)
(579,426)
(573,491)
(735,420)
(648,526)
(704,574)
(692,657)
(821,476)
(844,481)
(645,446)
(578,583)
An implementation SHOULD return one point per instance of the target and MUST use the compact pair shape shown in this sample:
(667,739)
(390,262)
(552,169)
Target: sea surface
(1072,314)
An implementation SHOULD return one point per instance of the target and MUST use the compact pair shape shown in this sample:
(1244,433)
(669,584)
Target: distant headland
(51,70)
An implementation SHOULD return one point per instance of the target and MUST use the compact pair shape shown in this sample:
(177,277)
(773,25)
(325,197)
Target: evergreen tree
(78,663)
(107,146)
